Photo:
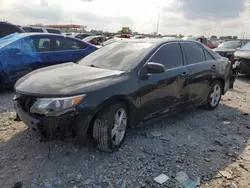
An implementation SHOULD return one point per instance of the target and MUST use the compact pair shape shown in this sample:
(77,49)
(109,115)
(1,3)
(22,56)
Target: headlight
(48,106)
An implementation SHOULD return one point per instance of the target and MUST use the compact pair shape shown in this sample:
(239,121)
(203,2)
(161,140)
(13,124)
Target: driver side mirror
(237,49)
(155,68)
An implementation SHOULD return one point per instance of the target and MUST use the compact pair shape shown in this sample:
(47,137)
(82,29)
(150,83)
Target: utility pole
(209,33)
(243,35)
(158,23)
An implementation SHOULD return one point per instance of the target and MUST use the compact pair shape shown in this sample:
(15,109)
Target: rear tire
(214,95)
(110,125)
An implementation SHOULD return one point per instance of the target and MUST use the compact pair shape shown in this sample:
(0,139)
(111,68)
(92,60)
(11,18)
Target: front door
(164,92)
(202,69)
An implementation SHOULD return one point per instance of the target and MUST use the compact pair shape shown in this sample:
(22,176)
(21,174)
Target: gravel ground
(205,144)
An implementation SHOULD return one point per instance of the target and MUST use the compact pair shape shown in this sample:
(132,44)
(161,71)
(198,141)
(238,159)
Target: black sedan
(121,85)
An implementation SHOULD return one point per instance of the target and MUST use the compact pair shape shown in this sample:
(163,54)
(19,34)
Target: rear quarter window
(212,53)
(55,31)
(194,52)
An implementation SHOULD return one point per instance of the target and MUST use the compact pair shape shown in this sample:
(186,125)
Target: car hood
(224,50)
(65,79)
(242,54)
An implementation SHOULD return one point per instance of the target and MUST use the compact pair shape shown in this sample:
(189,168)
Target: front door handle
(213,67)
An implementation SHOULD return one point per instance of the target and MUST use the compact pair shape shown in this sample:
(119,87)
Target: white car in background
(95,40)
(31,29)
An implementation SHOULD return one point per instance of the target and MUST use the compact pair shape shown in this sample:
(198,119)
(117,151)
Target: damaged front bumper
(54,126)
(243,66)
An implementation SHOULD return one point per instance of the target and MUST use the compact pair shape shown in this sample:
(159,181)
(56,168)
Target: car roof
(38,34)
(156,41)
(16,36)
(39,27)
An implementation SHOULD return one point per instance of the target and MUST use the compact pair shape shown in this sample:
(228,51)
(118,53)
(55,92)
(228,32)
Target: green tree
(181,36)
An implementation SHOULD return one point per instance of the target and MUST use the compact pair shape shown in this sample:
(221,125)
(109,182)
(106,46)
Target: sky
(188,17)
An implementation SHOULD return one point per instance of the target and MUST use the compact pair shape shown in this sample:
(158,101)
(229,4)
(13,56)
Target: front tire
(214,95)
(110,127)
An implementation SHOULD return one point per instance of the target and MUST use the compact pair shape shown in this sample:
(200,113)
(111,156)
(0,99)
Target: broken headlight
(49,106)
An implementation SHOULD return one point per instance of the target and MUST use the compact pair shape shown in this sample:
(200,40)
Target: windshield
(118,55)
(230,45)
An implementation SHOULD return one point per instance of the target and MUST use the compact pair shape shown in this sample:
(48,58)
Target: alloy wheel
(215,95)
(120,125)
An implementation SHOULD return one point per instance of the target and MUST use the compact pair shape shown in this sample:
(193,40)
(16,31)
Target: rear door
(44,49)
(164,92)
(202,69)
(69,49)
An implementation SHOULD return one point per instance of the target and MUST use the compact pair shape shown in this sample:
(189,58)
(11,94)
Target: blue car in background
(21,53)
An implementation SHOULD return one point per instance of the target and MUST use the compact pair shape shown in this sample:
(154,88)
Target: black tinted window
(6,29)
(53,31)
(33,30)
(42,44)
(194,53)
(63,44)
(169,55)
(208,55)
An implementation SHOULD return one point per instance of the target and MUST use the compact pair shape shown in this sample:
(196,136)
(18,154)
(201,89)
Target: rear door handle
(213,67)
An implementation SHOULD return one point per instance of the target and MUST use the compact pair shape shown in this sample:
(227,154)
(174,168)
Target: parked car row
(123,84)
(202,40)
(238,52)
(241,60)
(227,49)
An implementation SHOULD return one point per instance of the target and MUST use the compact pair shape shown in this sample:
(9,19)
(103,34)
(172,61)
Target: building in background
(66,28)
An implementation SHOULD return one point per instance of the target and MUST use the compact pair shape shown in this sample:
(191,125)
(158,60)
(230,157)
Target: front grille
(27,102)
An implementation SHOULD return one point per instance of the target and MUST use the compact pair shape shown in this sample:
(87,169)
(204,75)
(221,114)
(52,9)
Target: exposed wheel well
(222,81)
(129,108)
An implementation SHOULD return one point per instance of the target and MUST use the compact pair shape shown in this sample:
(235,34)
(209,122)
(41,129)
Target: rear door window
(170,55)
(33,30)
(208,55)
(65,44)
(43,44)
(194,53)
(55,31)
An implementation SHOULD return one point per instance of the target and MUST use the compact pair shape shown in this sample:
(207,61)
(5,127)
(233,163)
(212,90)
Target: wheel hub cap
(120,125)
(215,95)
